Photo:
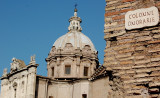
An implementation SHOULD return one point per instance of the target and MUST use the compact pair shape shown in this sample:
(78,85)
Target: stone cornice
(18,71)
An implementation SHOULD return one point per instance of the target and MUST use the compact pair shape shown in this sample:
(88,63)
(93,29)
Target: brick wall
(133,56)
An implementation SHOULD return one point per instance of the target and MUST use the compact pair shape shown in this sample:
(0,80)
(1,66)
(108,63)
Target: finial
(5,72)
(33,61)
(75,10)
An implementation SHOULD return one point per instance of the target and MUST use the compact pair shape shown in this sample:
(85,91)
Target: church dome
(74,36)
(73,55)
(77,39)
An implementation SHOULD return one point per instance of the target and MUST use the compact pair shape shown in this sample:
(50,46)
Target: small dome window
(68,69)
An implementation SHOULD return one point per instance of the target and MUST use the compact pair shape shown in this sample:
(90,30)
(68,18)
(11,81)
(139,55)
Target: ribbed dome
(77,39)
(72,53)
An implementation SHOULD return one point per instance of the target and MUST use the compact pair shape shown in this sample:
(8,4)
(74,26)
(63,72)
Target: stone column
(31,83)
(49,71)
(4,86)
(92,67)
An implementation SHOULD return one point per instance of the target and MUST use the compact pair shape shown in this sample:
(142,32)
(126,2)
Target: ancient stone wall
(133,56)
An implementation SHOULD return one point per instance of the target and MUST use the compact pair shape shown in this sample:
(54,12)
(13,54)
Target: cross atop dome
(75,22)
(75,10)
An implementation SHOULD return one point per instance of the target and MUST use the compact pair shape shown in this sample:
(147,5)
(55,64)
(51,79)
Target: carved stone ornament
(33,61)
(5,72)
(17,64)
(14,65)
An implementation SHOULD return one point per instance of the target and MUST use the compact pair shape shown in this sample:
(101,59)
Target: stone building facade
(132,56)
(73,70)
(21,81)
(131,64)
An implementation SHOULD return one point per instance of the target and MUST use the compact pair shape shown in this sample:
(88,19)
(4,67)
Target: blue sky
(29,27)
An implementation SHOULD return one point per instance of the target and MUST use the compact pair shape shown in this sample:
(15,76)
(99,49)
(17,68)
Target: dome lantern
(75,22)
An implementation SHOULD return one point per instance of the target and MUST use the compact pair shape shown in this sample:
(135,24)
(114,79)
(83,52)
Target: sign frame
(140,18)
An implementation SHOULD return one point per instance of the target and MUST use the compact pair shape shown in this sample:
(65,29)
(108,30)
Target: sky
(29,27)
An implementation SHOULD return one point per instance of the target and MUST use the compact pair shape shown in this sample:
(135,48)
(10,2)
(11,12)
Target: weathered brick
(108,19)
(129,81)
(126,77)
(111,58)
(126,46)
(108,49)
(154,90)
(155,68)
(153,64)
(127,1)
(124,55)
(118,17)
(144,79)
(155,59)
(124,5)
(111,63)
(130,72)
(138,57)
(152,84)
(153,50)
(142,61)
(111,24)
(127,41)
(154,42)
(122,67)
(156,36)
(141,75)
(139,66)
(155,31)
(134,91)
(111,13)
(143,70)
(140,48)
(110,53)
(131,36)
(134,96)
(125,10)
(121,22)
(154,96)
(115,34)
(127,50)
(146,33)
(124,59)
(110,8)
(143,38)
(155,74)
(108,30)
(126,62)
(119,73)
(120,28)
(112,2)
